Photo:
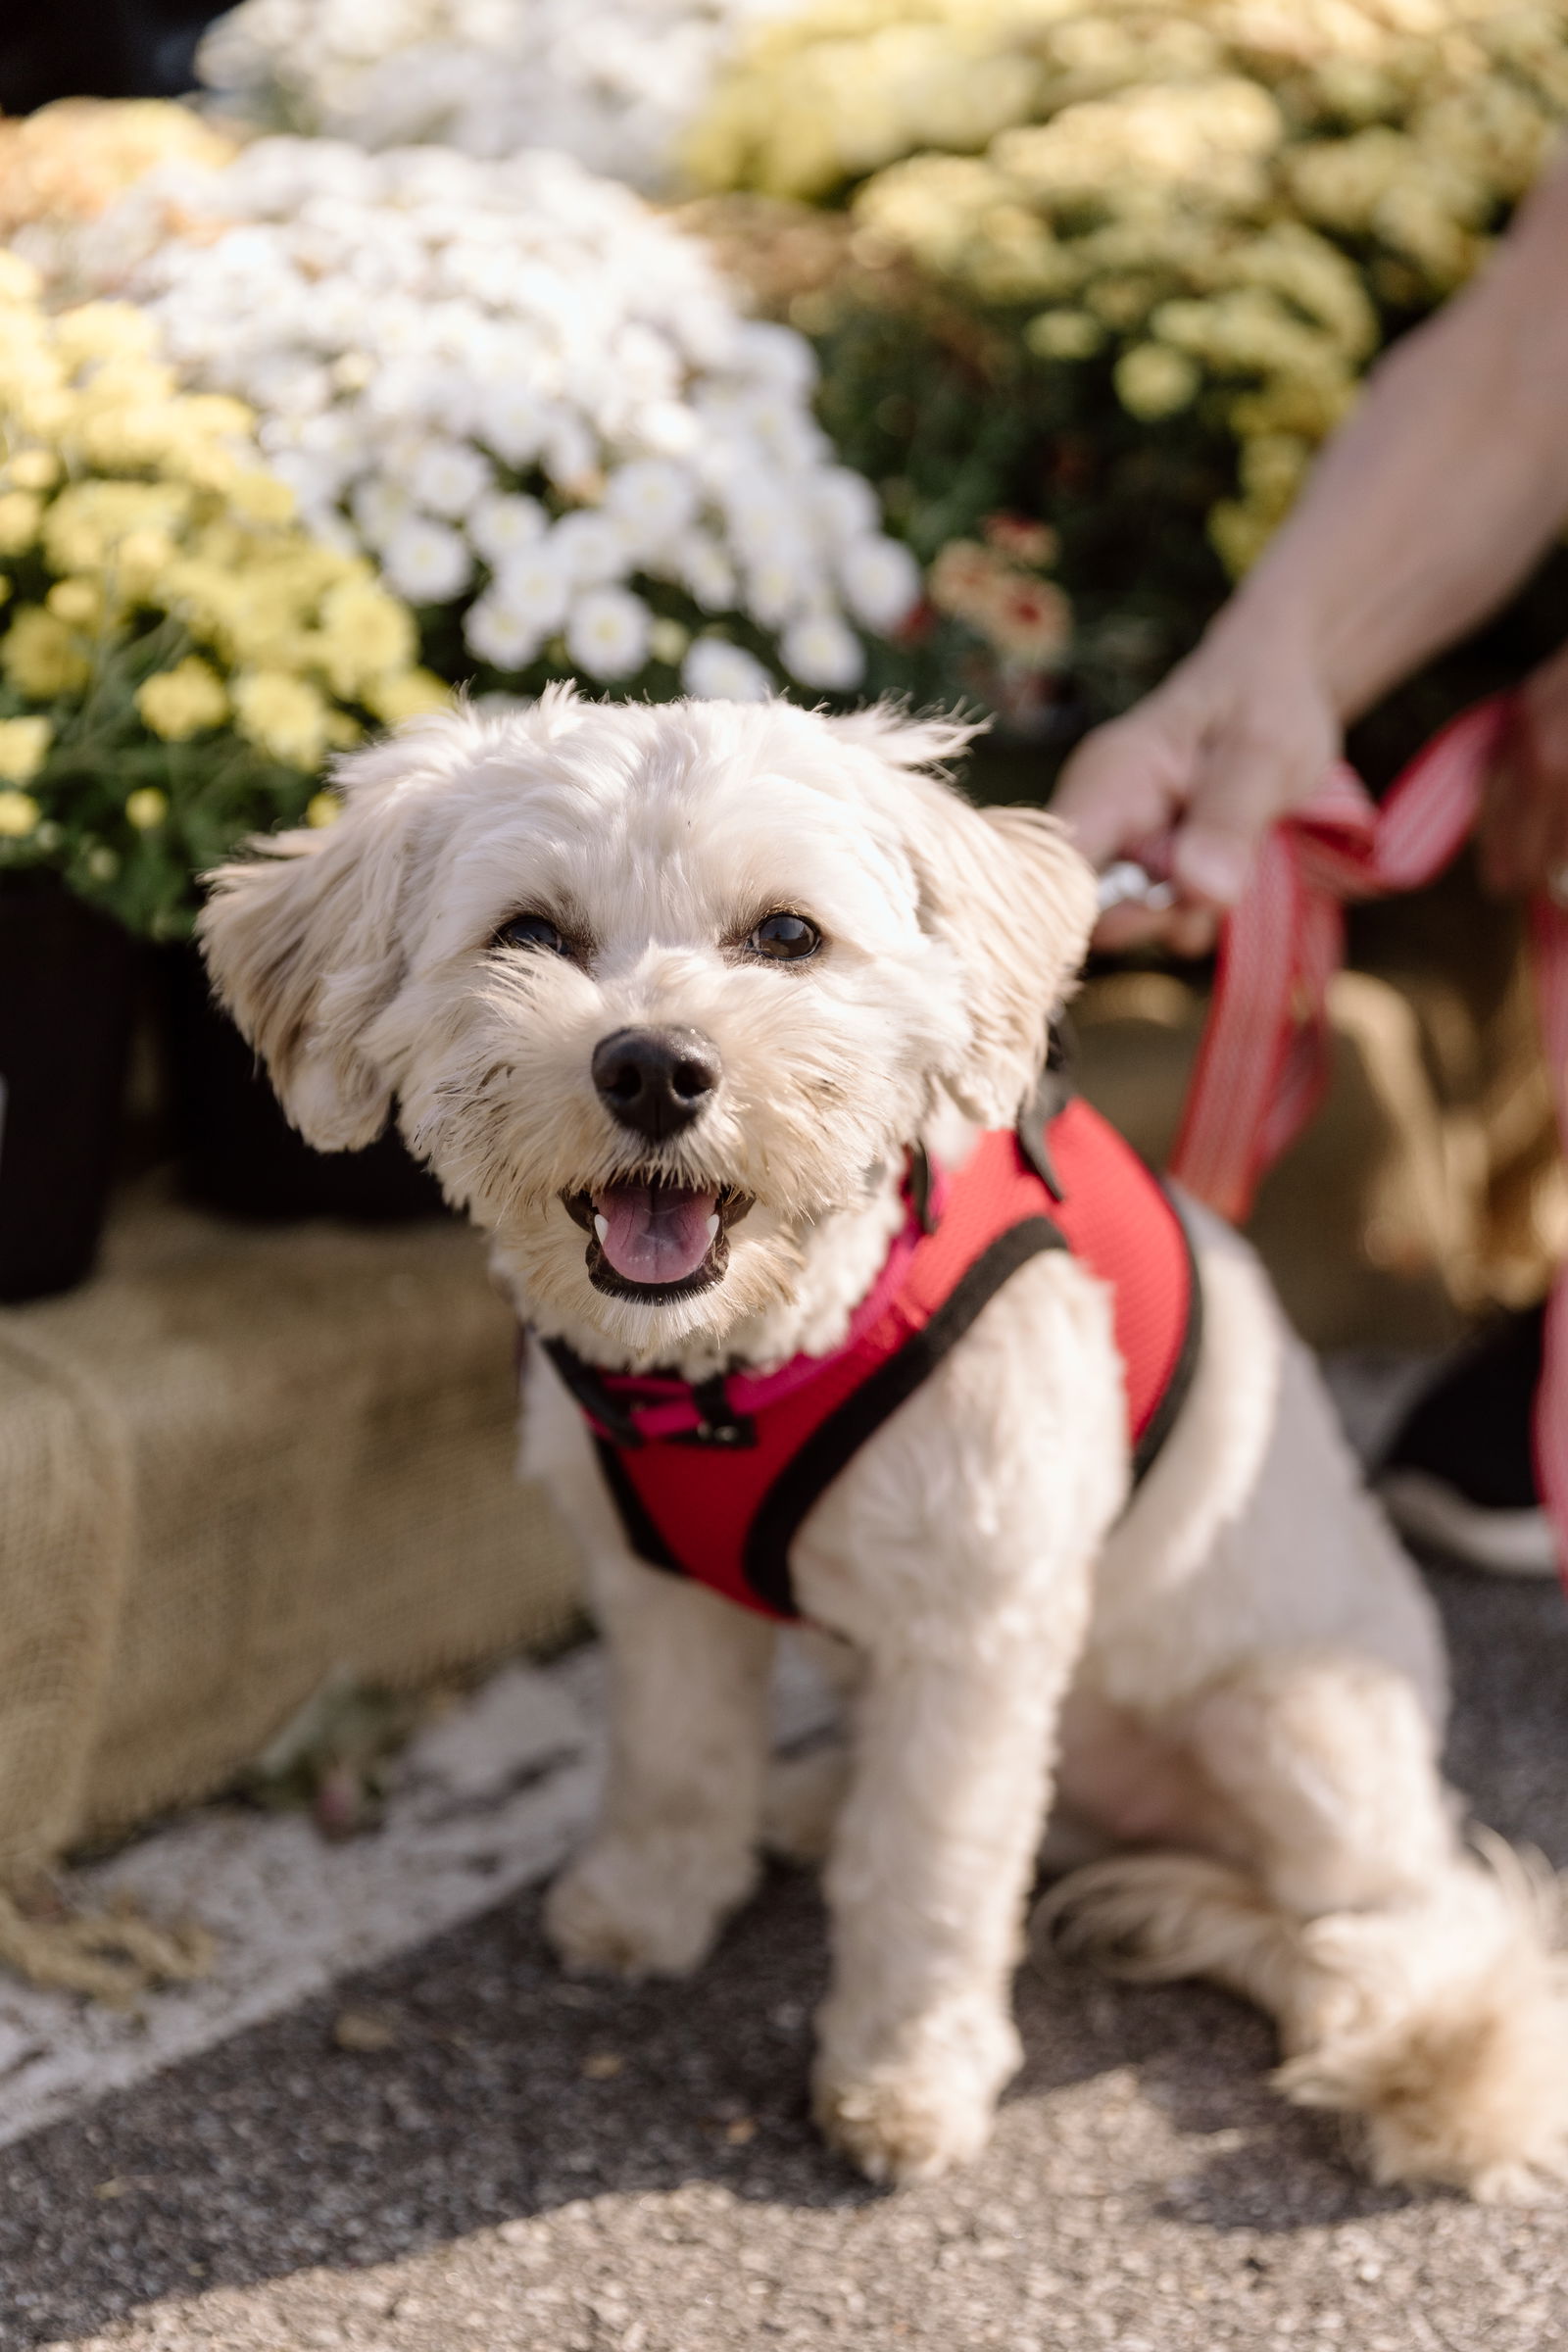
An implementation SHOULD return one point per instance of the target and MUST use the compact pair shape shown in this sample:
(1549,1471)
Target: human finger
(1245,785)
(1126,780)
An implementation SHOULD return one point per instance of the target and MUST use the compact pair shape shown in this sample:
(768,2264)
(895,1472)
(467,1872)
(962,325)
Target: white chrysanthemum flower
(495,630)
(589,548)
(615,82)
(820,651)
(778,586)
(704,568)
(776,356)
(380,507)
(535,585)
(504,522)
(426,561)
(652,500)
(845,503)
(716,672)
(607,632)
(513,420)
(881,581)
(449,478)
(511,366)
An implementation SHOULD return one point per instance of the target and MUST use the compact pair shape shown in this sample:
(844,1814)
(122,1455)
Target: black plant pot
(68,984)
(239,1153)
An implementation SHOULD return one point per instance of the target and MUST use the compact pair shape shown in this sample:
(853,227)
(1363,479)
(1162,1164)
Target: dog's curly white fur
(1239,1669)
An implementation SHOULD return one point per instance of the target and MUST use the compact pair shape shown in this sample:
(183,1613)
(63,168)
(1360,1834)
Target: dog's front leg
(928,1883)
(675,1849)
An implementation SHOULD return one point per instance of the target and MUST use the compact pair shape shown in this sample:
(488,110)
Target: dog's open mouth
(654,1240)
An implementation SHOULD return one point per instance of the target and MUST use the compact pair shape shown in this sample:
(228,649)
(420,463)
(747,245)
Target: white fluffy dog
(1234,1674)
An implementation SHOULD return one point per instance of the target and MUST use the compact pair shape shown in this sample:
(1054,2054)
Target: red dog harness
(712,1480)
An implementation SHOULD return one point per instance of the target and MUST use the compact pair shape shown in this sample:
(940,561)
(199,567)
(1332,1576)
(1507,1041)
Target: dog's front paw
(926,2110)
(643,1907)
(903,2124)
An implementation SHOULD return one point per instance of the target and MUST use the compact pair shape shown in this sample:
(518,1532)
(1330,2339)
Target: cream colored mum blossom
(91,524)
(282,716)
(41,657)
(146,808)
(184,701)
(20,514)
(18,279)
(32,470)
(322,809)
(103,330)
(406,694)
(261,497)
(1064,334)
(1152,381)
(77,602)
(24,746)
(365,633)
(19,815)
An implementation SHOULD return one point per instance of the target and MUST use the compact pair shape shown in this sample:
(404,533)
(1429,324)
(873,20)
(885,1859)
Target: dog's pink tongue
(655,1233)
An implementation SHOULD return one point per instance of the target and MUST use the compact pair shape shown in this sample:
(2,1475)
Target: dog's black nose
(654,1081)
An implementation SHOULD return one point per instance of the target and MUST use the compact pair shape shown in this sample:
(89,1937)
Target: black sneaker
(1459,1474)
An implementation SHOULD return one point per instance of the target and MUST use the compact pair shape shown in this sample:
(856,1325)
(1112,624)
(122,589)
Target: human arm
(1423,512)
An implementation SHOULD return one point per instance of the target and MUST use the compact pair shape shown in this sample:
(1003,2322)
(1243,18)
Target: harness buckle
(717,1422)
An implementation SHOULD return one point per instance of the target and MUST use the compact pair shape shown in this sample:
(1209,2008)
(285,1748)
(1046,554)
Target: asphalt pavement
(459,2152)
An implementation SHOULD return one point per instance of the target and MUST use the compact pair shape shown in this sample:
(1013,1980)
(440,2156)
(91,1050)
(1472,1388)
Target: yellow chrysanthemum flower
(283,715)
(33,470)
(322,809)
(146,808)
(24,746)
(184,701)
(366,632)
(103,330)
(77,602)
(406,694)
(261,497)
(20,514)
(1152,381)
(19,815)
(40,656)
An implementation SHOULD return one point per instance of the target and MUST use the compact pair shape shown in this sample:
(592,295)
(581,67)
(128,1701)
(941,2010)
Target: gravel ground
(460,2150)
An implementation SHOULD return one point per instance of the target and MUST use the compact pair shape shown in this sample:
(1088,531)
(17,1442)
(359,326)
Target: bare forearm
(1441,492)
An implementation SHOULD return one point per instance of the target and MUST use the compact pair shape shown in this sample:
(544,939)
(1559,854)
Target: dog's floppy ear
(305,938)
(1004,890)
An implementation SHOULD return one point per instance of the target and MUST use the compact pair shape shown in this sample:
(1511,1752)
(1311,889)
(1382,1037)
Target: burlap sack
(237,1463)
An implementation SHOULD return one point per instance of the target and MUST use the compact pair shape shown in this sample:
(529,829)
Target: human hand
(1189,781)
(1523,832)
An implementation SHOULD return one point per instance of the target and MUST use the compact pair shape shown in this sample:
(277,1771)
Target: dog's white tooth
(713,1228)
(602,1227)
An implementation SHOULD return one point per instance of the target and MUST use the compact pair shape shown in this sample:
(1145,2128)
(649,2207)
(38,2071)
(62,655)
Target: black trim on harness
(1162,1420)
(591,1393)
(640,1527)
(765,1564)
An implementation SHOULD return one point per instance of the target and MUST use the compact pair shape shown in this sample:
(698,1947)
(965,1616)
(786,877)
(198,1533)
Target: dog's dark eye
(785,938)
(531,931)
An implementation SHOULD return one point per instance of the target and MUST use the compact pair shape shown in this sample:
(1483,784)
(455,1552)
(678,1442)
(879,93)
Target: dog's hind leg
(1416,1984)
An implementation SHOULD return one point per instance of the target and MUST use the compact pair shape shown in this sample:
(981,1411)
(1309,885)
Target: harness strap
(834,1443)
(1264,1061)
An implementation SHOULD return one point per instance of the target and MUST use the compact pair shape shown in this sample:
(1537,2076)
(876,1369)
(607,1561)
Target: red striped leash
(1263,1064)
